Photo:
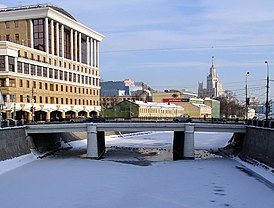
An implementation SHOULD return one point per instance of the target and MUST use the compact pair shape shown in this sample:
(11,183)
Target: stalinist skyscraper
(214,86)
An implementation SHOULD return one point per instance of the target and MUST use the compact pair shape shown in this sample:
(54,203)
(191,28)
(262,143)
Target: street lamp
(246,99)
(267,92)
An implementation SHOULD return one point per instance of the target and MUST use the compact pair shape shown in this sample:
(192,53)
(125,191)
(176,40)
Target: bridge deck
(147,126)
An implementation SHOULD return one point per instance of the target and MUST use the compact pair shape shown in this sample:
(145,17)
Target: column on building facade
(15,65)
(75,44)
(48,116)
(97,54)
(88,51)
(80,48)
(47,35)
(63,41)
(57,38)
(31,33)
(94,53)
(71,44)
(91,52)
(52,36)
(47,72)
(6,63)
(63,115)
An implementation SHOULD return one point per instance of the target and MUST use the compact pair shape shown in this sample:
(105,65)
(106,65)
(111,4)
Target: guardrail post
(189,142)
(92,142)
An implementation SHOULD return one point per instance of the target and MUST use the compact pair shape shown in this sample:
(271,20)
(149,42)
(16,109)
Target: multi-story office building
(49,64)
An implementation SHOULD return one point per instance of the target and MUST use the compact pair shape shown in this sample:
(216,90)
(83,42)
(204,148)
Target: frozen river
(136,172)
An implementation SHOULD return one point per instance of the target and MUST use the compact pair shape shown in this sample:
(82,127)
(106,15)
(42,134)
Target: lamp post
(267,91)
(246,99)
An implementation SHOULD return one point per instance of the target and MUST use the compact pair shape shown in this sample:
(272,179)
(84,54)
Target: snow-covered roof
(202,106)
(152,104)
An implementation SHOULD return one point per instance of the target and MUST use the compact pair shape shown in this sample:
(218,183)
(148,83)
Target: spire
(212,61)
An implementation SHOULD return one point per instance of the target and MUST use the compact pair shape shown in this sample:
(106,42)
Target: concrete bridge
(183,141)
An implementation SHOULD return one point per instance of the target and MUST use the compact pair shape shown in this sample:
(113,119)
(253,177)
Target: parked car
(96,119)
(183,118)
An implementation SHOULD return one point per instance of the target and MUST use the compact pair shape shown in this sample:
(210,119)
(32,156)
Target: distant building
(214,86)
(143,110)
(120,88)
(193,106)
(113,92)
(215,105)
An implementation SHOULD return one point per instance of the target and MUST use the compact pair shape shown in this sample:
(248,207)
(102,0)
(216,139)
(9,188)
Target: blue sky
(168,44)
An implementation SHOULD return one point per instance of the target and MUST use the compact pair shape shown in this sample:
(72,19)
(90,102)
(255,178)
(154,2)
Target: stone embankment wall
(259,145)
(13,143)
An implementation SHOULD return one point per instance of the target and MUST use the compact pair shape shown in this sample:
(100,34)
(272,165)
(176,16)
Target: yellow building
(194,107)
(49,64)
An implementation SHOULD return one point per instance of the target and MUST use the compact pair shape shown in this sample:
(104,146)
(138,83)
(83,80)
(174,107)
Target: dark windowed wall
(11,64)
(67,44)
(39,34)
(55,38)
(60,41)
(49,39)
(84,51)
(2,63)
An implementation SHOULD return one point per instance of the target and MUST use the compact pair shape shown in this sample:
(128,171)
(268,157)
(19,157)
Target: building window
(50,73)
(46,86)
(41,99)
(56,87)
(16,23)
(20,83)
(40,85)
(11,64)
(55,74)
(2,63)
(7,25)
(27,83)
(51,86)
(67,42)
(26,68)
(65,76)
(8,37)
(21,98)
(39,71)
(45,72)
(26,54)
(32,69)
(61,75)
(34,84)
(38,34)
(19,67)
(16,38)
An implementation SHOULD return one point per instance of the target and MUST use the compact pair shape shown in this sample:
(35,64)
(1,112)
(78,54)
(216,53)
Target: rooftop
(38,6)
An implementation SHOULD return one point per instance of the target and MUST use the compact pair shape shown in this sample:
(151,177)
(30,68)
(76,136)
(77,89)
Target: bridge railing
(260,123)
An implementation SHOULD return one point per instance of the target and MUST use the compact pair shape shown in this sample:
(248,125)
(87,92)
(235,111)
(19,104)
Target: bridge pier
(189,142)
(95,142)
(183,143)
